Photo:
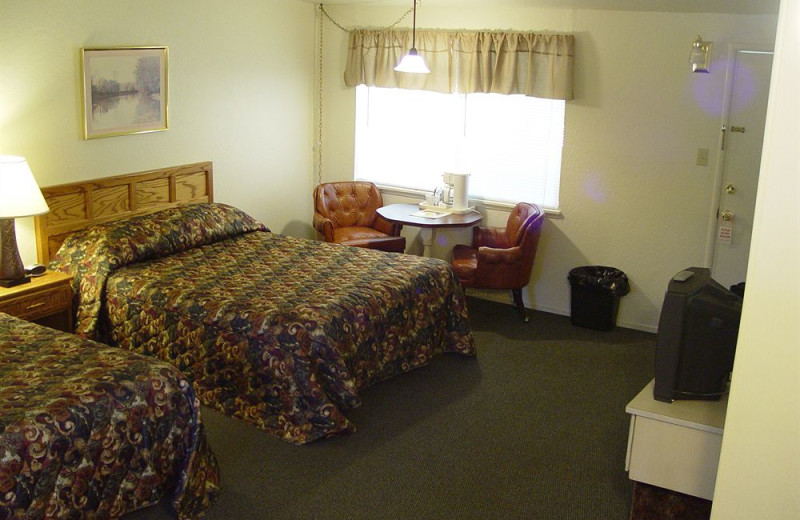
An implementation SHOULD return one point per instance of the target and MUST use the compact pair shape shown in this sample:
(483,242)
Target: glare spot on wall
(594,189)
(706,88)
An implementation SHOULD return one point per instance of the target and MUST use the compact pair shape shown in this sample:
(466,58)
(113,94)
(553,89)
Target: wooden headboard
(79,205)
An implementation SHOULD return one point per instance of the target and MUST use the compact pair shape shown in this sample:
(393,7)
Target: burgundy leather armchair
(345,213)
(502,258)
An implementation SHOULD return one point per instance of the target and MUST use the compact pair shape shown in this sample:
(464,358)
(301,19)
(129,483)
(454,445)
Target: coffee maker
(450,196)
(455,191)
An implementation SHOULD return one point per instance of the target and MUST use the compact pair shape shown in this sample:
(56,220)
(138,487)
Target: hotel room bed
(278,331)
(90,431)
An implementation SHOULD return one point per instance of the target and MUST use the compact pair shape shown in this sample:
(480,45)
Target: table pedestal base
(426,234)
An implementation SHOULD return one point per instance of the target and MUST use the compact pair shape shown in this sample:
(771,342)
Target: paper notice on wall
(724,235)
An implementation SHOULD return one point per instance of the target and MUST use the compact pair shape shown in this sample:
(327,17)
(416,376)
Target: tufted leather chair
(502,258)
(345,213)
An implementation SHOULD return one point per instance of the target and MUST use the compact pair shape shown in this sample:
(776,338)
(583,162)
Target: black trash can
(595,292)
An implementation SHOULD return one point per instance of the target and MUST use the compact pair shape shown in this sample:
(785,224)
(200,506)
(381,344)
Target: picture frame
(124,90)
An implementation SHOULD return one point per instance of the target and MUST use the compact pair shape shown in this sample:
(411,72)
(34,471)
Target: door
(742,140)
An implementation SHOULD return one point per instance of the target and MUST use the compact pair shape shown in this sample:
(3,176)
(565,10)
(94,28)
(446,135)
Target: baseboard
(504,297)
(637,326)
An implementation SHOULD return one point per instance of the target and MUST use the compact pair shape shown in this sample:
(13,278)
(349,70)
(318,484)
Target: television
(696,339)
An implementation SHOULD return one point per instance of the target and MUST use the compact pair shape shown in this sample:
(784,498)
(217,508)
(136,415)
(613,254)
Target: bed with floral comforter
(278,331)
(90,431)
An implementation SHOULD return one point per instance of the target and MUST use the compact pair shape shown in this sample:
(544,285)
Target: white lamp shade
(20,196)
(412,62)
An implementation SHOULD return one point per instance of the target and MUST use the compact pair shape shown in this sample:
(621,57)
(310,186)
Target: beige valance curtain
(538,65)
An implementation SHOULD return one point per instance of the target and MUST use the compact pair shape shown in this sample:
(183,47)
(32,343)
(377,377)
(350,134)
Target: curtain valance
(538,65)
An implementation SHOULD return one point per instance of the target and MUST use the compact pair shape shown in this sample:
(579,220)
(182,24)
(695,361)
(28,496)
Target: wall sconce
(19,197)
(700,56)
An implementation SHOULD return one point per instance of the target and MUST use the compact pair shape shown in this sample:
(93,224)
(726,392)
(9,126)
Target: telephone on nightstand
(35,269)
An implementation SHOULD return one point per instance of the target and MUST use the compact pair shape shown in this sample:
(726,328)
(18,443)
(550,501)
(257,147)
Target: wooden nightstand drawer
(46,300)
(38,304)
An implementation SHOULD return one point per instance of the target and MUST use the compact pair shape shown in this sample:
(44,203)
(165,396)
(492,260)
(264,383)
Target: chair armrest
(384,226)
(492,255)
(489,237)
(324,226)
(501,268)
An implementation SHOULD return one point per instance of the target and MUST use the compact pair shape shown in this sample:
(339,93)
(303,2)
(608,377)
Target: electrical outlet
(702,157)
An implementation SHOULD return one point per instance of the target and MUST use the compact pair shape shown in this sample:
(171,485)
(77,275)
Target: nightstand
(46,300)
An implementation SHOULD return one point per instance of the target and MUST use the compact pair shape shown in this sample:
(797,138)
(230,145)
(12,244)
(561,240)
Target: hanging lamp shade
(413,62)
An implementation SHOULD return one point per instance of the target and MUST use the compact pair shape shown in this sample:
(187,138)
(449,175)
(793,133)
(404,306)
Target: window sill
(480,203)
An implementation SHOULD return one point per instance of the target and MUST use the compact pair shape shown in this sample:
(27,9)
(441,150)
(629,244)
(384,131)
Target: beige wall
(759,472)
(631,194)
(240,95)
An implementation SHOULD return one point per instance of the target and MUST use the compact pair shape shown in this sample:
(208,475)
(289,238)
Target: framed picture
(124,91)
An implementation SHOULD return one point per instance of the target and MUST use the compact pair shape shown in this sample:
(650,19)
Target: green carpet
(534,428)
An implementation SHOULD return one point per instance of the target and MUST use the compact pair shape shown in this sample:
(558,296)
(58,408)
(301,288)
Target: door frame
(713,214)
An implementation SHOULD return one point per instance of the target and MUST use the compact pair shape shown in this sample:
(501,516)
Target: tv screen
(696,341)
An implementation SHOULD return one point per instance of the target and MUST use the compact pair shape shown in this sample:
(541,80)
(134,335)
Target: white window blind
(509,144)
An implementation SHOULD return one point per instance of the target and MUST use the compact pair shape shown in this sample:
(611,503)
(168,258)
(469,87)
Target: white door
(743,136)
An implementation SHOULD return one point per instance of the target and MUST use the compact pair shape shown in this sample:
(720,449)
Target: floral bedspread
(278,331)
(90,431)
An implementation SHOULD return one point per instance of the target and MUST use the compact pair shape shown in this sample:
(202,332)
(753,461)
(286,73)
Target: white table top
(701,415)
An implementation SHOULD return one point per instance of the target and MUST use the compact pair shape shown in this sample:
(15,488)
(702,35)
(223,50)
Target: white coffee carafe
(456,191)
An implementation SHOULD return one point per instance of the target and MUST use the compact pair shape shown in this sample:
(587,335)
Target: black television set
(696,340)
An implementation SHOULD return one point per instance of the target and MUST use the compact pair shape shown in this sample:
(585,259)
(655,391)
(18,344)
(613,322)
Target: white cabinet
(675,445)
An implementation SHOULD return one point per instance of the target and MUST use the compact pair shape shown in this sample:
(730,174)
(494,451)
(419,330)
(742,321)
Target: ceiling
(679,6)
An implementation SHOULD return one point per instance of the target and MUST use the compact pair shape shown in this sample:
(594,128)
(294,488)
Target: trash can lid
(600,276)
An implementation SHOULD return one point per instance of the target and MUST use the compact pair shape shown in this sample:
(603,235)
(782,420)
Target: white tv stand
(675,445)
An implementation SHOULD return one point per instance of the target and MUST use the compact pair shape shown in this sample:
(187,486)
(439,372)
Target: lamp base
(14,283)
(12,272)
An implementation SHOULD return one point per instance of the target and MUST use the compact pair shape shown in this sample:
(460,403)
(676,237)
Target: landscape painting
(124,90)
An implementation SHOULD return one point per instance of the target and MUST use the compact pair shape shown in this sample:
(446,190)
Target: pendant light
(413,62)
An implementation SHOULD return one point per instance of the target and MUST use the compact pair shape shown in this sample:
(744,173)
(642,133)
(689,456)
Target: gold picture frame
(124,90)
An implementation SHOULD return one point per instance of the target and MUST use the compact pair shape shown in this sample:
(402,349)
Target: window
(510,145)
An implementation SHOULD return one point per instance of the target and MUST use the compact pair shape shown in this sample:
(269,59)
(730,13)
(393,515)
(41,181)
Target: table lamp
(19,197)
